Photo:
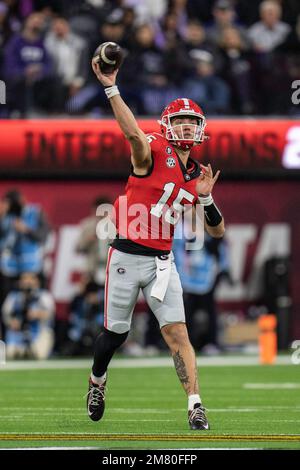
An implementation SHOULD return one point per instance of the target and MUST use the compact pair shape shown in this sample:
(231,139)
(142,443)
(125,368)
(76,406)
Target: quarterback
(163,178)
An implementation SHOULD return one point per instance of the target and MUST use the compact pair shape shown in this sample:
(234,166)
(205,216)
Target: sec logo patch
(170,162)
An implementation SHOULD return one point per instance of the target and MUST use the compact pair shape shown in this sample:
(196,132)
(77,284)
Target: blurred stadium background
(61,153)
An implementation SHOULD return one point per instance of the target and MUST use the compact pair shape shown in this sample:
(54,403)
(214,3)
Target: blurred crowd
(30,324)
(27,308)
(233,57)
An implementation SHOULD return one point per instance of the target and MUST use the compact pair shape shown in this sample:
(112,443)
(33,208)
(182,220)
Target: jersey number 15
(173,213)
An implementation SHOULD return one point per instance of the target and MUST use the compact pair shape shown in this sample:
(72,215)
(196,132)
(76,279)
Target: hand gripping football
(109,56)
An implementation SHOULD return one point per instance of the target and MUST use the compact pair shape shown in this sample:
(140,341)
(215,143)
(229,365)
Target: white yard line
(138,362)
(27,412)
(17,413)
(272,386)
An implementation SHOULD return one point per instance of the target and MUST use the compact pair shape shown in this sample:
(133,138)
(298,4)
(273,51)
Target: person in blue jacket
(23,232)
(28,312)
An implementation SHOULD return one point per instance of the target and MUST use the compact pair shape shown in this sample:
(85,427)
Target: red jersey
(148,212)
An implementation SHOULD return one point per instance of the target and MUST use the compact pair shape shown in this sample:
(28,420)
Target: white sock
(193,399)
(98,380)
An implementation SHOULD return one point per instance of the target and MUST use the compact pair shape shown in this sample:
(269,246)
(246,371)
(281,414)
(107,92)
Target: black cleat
(197,418)
(95,400)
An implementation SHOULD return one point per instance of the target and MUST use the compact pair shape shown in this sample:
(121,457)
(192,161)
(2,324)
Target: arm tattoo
(180,368)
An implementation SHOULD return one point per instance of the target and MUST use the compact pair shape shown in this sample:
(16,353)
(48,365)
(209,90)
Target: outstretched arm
(140,147)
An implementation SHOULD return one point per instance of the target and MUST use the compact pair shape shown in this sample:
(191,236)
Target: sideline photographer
(28,314)
(86,318)
(23,232)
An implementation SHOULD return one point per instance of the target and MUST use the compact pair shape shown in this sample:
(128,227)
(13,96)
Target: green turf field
(248,406)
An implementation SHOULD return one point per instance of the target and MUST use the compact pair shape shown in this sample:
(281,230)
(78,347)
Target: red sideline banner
(80,147)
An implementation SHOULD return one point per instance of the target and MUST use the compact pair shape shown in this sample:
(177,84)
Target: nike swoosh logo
(163,269)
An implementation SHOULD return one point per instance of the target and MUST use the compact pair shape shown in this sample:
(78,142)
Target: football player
(163,177)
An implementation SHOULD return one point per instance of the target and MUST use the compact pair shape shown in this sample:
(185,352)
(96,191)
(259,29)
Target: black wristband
(212,214)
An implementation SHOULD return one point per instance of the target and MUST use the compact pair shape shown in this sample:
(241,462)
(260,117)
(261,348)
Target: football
(109,56)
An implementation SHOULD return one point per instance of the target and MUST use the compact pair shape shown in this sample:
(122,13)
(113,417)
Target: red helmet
(183,107)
